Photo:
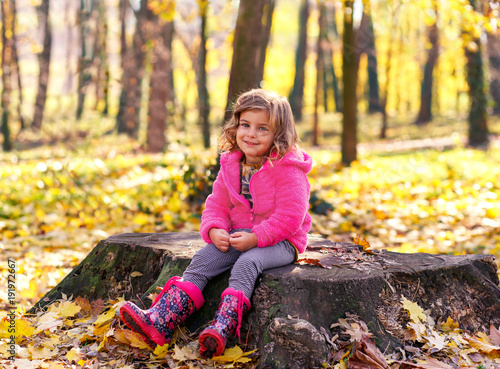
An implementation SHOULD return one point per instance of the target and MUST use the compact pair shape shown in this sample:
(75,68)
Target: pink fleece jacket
(280,193)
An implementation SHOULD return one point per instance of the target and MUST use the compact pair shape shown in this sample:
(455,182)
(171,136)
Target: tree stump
(329,280)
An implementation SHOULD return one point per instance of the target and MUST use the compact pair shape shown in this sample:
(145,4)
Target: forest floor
(426,195)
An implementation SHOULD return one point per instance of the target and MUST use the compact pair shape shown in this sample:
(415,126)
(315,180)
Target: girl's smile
(254,135)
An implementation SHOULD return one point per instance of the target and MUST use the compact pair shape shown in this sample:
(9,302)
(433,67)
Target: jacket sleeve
(292,205)
(217,208)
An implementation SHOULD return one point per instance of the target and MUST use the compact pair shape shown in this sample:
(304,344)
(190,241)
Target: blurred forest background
(111,109)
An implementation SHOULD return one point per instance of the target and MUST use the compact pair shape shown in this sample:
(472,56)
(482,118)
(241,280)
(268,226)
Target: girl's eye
(263,129)
(246,125)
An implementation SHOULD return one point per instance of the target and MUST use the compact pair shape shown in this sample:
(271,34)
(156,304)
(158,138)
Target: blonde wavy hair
(280,119)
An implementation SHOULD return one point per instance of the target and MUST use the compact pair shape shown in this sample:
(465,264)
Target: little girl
(255,219)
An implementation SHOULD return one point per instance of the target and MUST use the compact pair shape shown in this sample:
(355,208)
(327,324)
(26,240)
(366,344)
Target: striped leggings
(247,266)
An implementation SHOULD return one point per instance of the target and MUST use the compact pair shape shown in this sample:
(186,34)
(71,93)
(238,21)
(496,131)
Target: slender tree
(365,44)
(120,117)
(161,60)
(296,96)
(68,83)
(45,28)
(331,84)
(493,46)
(248,49)
(320,67)
(349,81)
(425,112)
(86,56)
(478,125)
(328,73)
(201,76)
(7,28)
(102,74)
(128,117)
(388,66)
(371,52)
(16,67)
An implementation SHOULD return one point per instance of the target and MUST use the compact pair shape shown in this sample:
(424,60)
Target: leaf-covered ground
(57,204)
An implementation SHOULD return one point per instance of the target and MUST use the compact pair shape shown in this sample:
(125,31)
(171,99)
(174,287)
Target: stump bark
(329,280)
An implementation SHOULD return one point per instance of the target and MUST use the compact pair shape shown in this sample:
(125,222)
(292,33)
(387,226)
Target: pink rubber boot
(176,302)
(226,323)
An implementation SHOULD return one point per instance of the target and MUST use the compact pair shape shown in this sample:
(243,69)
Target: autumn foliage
(57,205)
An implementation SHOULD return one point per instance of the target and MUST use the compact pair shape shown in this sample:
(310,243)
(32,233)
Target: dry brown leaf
(366,355)
(494,335)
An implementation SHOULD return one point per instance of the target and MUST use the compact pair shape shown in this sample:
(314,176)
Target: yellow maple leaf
(416,312)
(74,355)
(135,340)
(120,336)
(482,343)
(448,326)
(105,317)
(233,355)
(65,309)
(161,351)
(101,330)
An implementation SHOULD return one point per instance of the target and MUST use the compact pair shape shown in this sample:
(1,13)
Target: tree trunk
(84,60)
(247,63)
(68,83)
(329,281)
(120,116)
(201,69)
(328,72)
(128,118)
(162,67)
(371,52)
(349,81)
(15,64)
(7,28)
(330,69)
(43,62)
(493,46)
(425,112)
(383,107)
(297,95)
(102,68)
(319,72)
(478,126)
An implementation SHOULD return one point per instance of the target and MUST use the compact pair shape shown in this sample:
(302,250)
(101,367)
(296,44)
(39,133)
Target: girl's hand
(220,239)
(243,241)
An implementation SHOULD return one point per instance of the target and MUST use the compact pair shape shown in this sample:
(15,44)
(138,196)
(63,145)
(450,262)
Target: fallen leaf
(74,355)
(184,353)
(161,351)
(482,344)
(363,243)
(48,321)
(366,355)
(136,274)
(494,335)
(65,309)
(233,355)
(136,340)
(105,317)
(416,312)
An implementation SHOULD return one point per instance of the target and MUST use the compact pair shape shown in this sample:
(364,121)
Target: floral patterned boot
(175,303)
(227,322)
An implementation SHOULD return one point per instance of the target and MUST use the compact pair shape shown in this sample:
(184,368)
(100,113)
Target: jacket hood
(299,159)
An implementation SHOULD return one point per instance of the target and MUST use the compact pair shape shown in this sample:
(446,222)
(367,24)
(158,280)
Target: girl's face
(254,135)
